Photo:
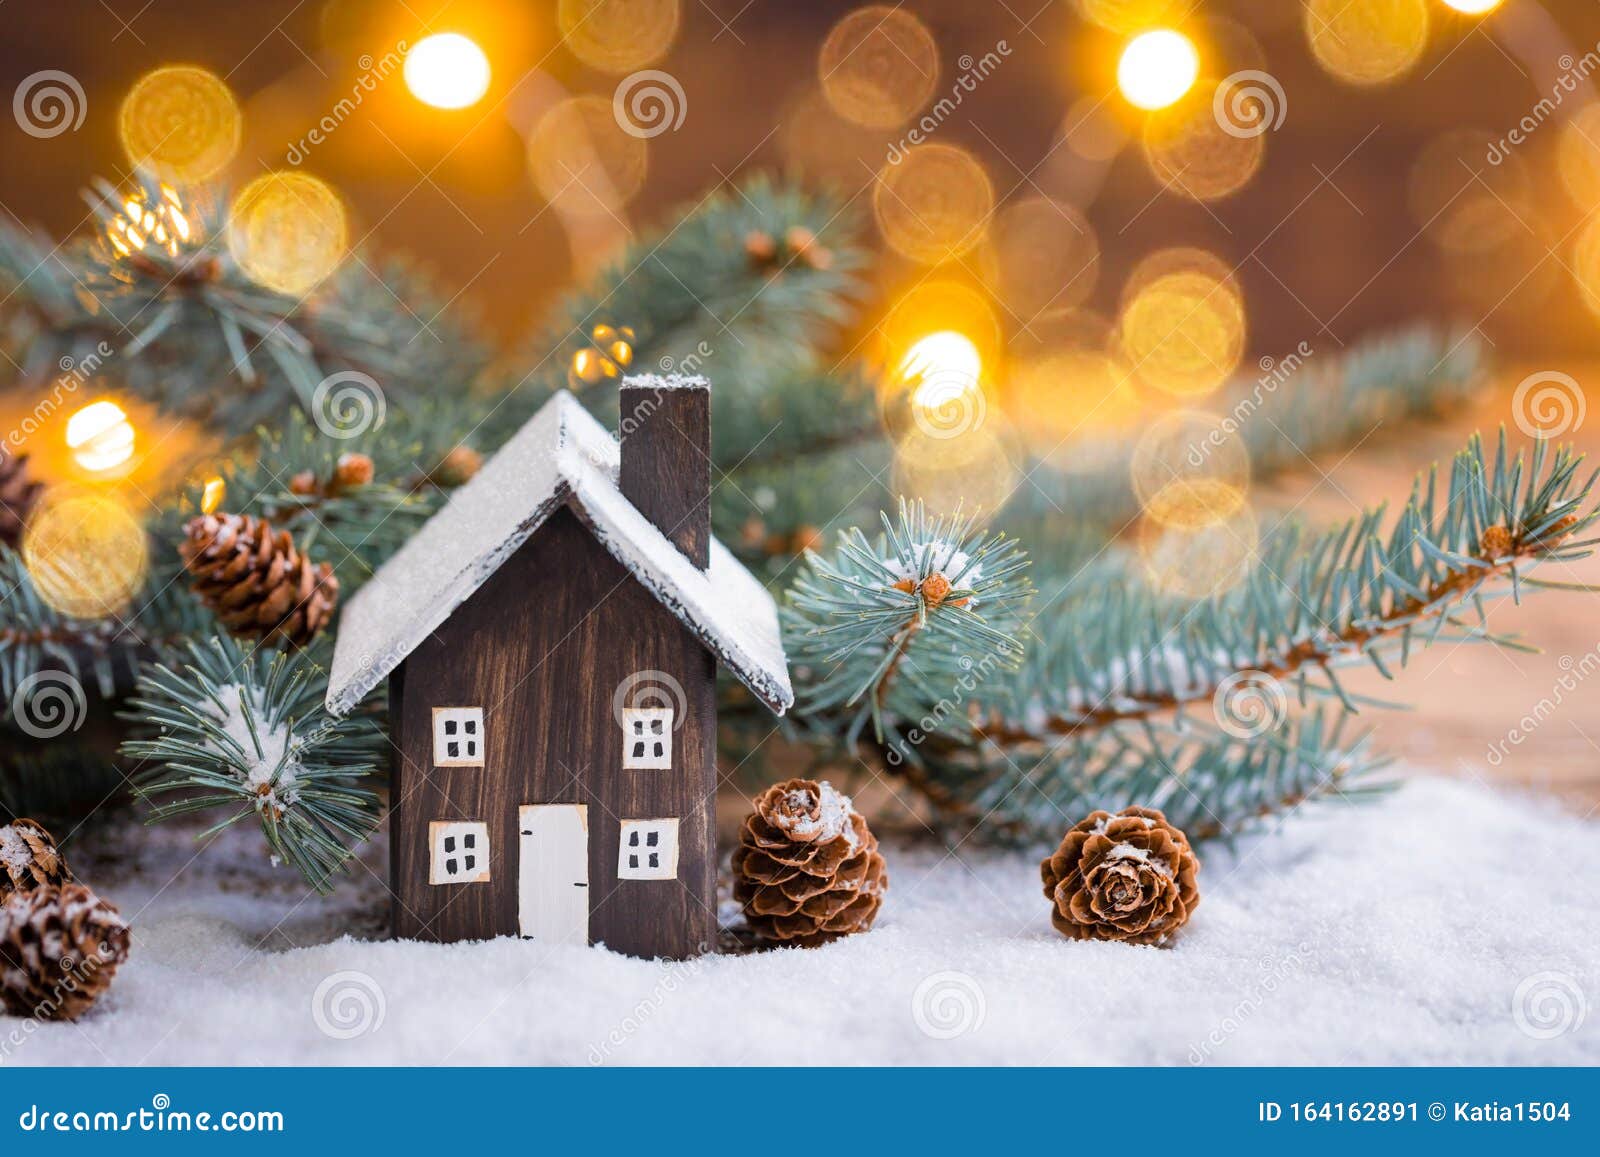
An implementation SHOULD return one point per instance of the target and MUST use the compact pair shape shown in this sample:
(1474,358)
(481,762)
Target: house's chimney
(666,457)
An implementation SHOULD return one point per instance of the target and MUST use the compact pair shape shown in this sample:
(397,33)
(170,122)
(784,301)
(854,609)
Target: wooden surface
(666,473)
(542,646)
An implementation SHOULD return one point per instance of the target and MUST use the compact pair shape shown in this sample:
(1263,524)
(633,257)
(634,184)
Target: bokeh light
(1157,68)
(940,368)
(1070,393)
(1200,561)
(181,124)
(1586,265)
(1473,7)
(934,205)
(976,471)
(1092,131)
(1465,204)
(878,66)
(1193,152)
(1578,156)
(618,36)
(287,231)
(86,554)
(1129,16)
(447,71)
(1182,326)
(1190,469)
(1042,255)
(1367,41)
(935,307)
(581,158)
(100,437)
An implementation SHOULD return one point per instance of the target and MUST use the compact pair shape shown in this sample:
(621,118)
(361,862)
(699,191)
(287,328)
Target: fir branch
(1096,712)
(246,735)
(697,301)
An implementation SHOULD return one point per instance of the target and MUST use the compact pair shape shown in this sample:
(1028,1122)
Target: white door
(553,873)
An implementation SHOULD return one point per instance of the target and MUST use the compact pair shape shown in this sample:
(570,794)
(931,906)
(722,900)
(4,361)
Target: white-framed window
(649,850)
(458,736)
(647,738)
(458,852)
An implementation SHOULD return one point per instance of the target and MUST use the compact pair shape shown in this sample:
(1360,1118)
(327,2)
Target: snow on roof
(562,455)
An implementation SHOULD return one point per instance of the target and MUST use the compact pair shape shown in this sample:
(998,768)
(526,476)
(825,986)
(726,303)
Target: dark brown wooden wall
(542,647)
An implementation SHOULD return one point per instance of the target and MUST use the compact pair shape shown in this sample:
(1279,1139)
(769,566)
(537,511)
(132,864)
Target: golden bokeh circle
(181,124)
(933,307)
(1465,204)
(1186,466)
(287,231)
(1092,131)
(878,66)
(1131,16)
(1192,152)
(1367,41)
(1586,265)
(977,471)
(1043,255)
(1203,560)
(934,205)
(1183,332)
(1070,393)
(1578,156)
(581,157)
(86,554)
(618,36)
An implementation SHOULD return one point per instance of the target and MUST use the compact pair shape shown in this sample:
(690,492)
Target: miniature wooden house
(551,639)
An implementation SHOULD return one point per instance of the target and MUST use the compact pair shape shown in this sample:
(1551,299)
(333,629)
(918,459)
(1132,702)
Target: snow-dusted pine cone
(1129,876)
(18,492)
(258,584)
(59,948)
(29,859)
(807,870)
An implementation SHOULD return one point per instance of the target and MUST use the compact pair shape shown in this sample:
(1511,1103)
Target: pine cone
(258,584)
(1129,876)
(59,948)
(29,859)
(352,471)
(807,870)
(18,492)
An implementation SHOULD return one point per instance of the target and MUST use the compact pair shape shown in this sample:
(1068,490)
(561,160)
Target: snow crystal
(666,382)
(560,455)
(1349,935)
(832,818)
(270,770)
(1129,852)
(14,851)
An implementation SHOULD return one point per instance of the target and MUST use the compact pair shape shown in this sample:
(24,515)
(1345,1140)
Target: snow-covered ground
(1445,924)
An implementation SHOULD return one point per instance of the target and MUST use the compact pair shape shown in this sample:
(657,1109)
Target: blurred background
(1389,161)
(1369,204)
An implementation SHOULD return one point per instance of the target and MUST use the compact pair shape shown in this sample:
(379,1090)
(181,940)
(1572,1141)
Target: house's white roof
(562,455)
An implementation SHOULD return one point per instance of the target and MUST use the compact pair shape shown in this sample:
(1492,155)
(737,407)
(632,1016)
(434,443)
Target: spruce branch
(1098,710)
(192,333)
(245,734)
